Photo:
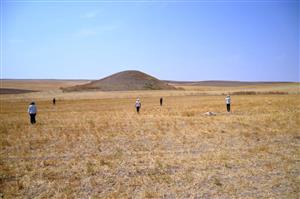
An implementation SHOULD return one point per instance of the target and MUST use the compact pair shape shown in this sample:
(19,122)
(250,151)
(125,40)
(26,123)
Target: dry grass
(258,93)
(100,148)
(292,88)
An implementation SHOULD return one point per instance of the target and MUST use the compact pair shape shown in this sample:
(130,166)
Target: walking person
(32,110)
(138,105)
(54,101)
(228,102)
(161,101)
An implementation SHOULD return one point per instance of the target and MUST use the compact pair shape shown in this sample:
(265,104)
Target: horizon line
(179,81)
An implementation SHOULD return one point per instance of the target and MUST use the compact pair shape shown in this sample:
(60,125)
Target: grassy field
(94,145)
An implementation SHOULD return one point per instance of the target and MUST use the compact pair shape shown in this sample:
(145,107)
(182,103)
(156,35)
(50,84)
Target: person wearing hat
(138,105)
(32,110)
(228,102)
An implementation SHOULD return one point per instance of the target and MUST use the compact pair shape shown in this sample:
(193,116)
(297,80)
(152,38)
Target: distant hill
(219,83)
(124,81)
(14,91)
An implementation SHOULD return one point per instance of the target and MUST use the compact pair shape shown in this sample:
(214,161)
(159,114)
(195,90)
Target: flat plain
(94,144)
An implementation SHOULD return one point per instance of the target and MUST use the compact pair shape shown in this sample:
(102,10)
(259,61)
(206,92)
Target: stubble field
(99,147)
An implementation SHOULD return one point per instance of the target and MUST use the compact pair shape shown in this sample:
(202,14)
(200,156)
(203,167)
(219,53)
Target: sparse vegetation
(100,148)
(258,93)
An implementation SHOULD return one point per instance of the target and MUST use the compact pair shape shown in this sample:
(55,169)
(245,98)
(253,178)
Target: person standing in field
(54,101)
(138,105)
(161,101)
(32,110)
(228,102)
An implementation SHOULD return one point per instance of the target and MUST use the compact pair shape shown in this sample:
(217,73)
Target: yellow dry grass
(293,88)
(100,148)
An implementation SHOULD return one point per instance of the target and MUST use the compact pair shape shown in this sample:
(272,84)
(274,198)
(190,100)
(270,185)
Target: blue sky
(174,40)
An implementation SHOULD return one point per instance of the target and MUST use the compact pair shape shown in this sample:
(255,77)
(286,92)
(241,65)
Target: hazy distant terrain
(55,87)
(135,80)
(222,83)
(14,91)
(39,84)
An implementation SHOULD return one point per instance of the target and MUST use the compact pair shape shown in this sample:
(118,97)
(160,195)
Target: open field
(39,85)
(93,144)
(293,88)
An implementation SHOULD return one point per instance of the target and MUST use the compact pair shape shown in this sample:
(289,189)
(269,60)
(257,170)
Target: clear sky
(172,40)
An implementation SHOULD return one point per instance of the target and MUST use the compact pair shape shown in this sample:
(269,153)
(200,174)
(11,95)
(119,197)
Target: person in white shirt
(228,102)
(138,105)
(32,110)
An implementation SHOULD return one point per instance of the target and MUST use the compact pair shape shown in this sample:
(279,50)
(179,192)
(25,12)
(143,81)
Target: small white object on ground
(210,113)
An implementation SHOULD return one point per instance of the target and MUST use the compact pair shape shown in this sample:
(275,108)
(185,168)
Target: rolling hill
(123,81)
